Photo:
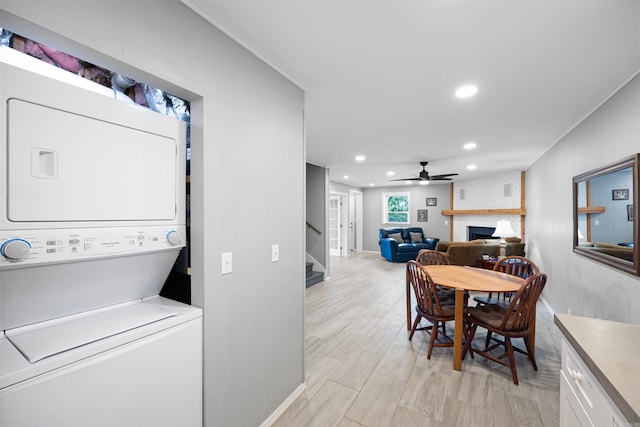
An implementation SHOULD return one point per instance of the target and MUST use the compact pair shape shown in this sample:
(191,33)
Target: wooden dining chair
(431,257)
(514,265)
(430,306)
(512,321)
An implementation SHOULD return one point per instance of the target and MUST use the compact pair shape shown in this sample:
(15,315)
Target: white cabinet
(571,411)
(583,401)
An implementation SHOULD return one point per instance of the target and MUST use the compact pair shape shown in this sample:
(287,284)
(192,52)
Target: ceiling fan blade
(425,177)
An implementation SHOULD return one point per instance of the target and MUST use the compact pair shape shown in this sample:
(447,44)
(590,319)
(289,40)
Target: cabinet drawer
(572,414)
(597,405)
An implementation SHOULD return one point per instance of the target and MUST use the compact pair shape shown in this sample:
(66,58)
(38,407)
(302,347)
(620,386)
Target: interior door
(344,220)
(356,241)
(335,235)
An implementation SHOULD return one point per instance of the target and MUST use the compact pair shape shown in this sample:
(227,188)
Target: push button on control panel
(15,249)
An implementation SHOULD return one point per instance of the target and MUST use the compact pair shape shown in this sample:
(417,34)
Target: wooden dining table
(463,278)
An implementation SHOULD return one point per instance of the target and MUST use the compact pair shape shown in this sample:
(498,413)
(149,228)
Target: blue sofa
(406,246)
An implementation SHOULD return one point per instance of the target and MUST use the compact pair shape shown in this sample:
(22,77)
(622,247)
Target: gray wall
(436,226)
(581,285)
(247,141)
(317,212)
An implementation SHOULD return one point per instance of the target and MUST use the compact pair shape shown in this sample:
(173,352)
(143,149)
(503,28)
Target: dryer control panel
(60,245)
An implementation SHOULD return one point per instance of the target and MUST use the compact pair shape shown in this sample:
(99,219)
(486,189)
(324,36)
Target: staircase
(313,277)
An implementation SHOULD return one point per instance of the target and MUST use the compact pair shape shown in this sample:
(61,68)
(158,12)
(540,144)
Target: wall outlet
(226,263)
(275,253)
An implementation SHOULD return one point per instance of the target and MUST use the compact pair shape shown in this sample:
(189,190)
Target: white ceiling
(379,75)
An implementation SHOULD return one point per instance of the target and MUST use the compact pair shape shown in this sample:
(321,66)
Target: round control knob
(173,238)
(15,249)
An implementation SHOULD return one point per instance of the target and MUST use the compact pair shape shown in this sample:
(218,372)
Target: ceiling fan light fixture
(466,91)
(423,182)
(424,177)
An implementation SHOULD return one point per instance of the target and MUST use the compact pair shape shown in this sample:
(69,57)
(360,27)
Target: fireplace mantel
(522,211)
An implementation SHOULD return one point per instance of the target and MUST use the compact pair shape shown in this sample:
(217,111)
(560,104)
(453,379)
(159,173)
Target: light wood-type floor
(361,369)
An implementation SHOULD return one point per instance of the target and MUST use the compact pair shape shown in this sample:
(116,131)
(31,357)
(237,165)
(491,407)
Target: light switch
(226,263)
(275,253)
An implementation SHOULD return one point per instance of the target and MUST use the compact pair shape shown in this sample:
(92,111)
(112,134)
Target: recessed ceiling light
(424,182)
(391,173)
(346,177)
(466,91)
(371,185)
(469,145)
(360,158)
(471,167)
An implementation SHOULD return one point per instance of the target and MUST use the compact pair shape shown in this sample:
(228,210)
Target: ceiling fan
(424,176)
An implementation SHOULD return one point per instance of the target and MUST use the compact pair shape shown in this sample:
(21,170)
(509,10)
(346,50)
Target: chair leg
(434,335)
(488,340)
(465,335)
(527,343)
(415,325)
(467,344)
(512,359)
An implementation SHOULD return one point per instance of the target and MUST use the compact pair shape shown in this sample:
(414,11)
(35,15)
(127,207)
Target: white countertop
(611,350)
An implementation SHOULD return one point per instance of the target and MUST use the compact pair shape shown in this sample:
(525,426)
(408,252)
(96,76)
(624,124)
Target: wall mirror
(605,214)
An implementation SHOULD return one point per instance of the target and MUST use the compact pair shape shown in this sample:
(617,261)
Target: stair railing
(313,228)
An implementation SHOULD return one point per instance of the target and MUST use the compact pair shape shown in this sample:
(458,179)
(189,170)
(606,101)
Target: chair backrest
(424,289)
(518,316)
(516,266)
(431,257)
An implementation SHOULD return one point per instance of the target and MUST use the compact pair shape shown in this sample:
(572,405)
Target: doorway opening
(335,226)
(356,240)
(338,217)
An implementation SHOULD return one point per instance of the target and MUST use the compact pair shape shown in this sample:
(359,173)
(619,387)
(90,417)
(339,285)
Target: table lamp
(503,229)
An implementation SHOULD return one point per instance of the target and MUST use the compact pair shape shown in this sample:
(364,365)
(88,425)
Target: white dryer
(92,219)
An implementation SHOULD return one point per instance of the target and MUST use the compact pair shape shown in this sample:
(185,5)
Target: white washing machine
(92,219)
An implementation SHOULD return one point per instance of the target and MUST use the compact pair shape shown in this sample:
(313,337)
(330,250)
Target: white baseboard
(284,406)
(546,304)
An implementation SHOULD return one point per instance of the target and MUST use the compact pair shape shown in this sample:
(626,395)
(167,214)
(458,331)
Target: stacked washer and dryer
(92,219)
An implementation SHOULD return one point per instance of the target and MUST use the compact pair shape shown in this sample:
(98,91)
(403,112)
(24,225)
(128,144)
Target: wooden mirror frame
(632,266)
